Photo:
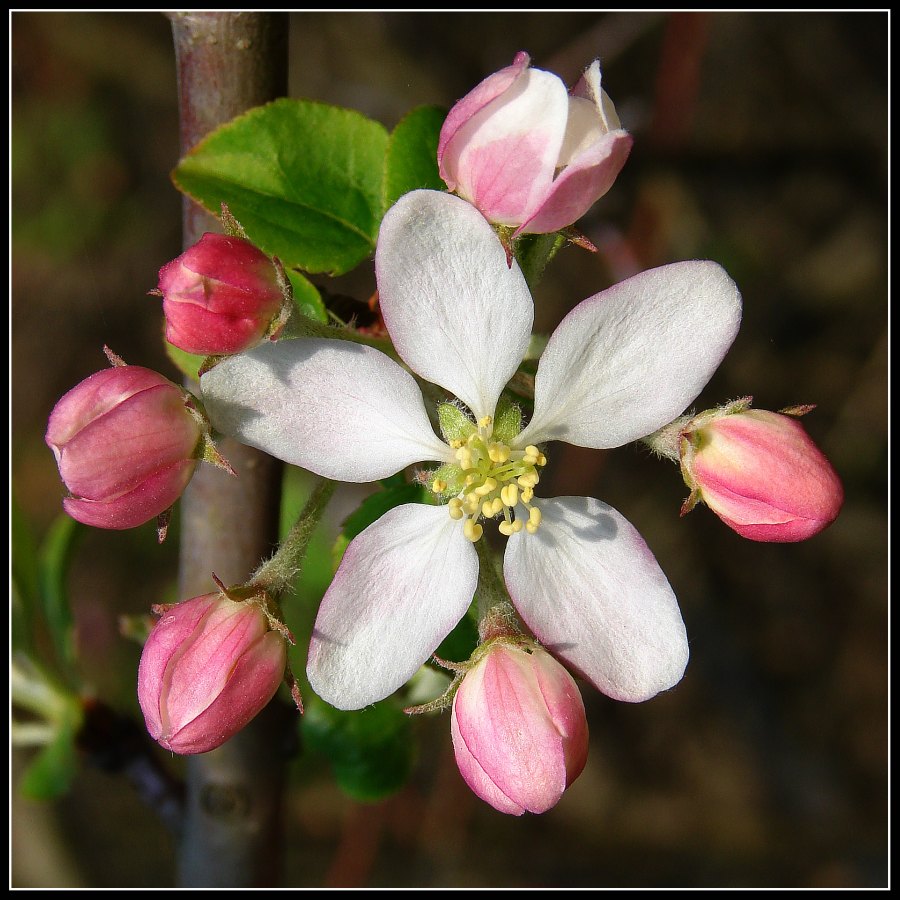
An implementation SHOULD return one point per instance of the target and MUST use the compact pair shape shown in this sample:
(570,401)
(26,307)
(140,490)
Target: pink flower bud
(519,731)
(125,443)
(761,474)
(209,666)
(528,154)
(220,296)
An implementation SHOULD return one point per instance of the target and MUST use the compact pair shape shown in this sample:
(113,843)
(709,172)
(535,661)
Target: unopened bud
(519,731)
(125,442)
(761,473)
(209,666)
(220,296)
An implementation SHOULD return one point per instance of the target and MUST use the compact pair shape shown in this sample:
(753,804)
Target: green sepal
(307,299)
(454,423)
(534,251)
(507,420)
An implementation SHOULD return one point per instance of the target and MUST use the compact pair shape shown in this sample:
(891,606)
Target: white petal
(592,592)
(402,586)
(457,314)
(629,360)
(339,409)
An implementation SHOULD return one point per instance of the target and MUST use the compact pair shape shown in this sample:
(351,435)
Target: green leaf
(307,298)
(304,179)
(411,160)
(55,558)
(371,750)
(51,772)
(377,504)
(25,579)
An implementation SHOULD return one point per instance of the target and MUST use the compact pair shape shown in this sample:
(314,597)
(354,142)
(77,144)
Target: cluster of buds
(531,158)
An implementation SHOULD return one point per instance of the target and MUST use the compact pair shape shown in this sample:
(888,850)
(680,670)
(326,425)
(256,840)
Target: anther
(438,486)
(485,422)
(509,494)
(472,530)
(454,507)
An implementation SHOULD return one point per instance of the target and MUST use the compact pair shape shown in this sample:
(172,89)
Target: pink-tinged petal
(339,409)
(150,498)
(566,710)
(94,397)
(402,586)
(588,88)
(474,775)
(196,332)
(458,315)
(252,683)
(144,434)
(589,176)
(504,157)
(463,110)
(229,261)
(629,360)
(199,671)
(592,592)
(174,628)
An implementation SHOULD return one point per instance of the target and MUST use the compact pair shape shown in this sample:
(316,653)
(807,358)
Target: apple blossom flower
(528,154)
(760,473)
(208,667)
(620,365)
(220,296)
(126,441)
(519,731)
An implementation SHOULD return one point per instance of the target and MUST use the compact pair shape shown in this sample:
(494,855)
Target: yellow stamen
(472,530)
(438,486)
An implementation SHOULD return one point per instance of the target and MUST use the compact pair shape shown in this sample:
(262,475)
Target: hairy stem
(227,63)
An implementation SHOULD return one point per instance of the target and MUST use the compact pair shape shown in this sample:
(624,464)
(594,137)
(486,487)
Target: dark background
(760,142)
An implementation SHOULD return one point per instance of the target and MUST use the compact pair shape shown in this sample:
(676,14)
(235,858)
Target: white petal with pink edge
(339,409)
(594,595)
(402,586)
(629,360)
(458,315)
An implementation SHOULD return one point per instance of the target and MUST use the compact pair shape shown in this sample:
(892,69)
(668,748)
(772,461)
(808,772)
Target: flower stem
(276,574)
(496,614)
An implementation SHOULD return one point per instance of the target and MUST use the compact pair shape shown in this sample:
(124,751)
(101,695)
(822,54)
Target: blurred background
(760,142)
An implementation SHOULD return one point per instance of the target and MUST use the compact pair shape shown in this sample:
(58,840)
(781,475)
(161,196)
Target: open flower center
(490,479)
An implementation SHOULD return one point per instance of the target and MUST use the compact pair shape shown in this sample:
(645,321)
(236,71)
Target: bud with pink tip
(126,441)
(209,666)
(528,154)
(519,730)
(220,296)
(760,473)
